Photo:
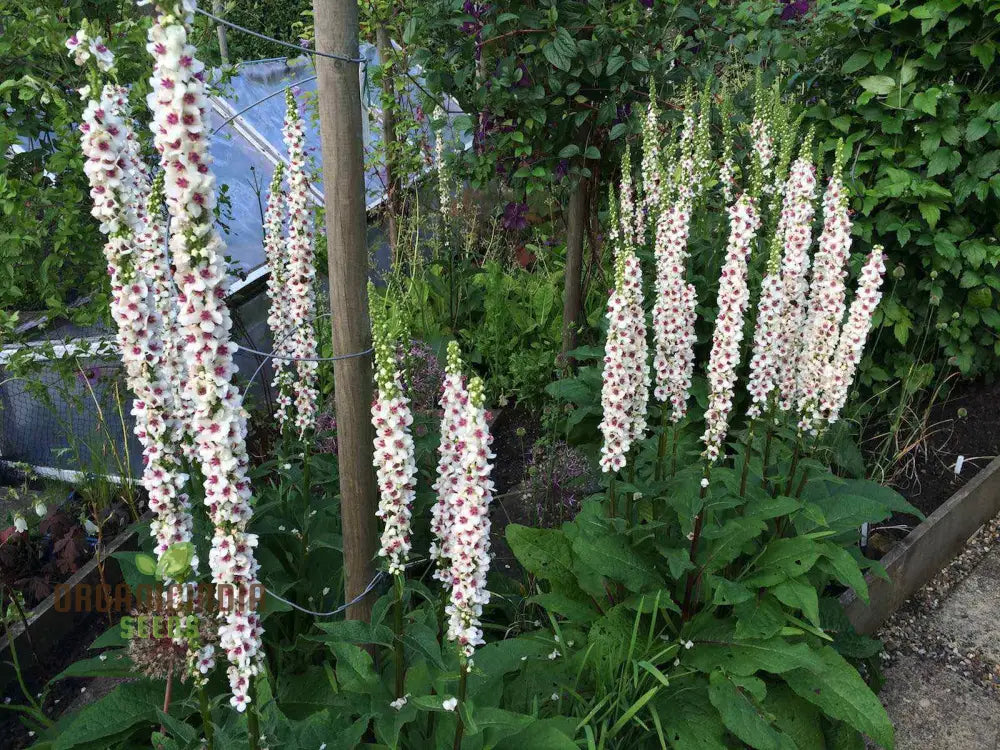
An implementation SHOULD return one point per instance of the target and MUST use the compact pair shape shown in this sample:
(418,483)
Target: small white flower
(450,705)
(555,696)
(677,662)
(399,702)
(326,590)
(40,509)
(704,481)
(20,524)
(103,657)
(689,645)
(524,658)
(90,526)
(281,528)
(554,655)
(286,467)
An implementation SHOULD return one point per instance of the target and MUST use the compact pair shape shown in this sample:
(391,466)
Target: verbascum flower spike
(279,316)
(702,146)
(685,175)
(470,528)
(674,310)
(732,304)
(625,388)
(762,142)
(630,224)
(767,335)
(454,399)
(652,169)
(443,177)
(727,165)
(301,272)
(795,227)
(394,457)
(120,192)
(826,303)
(179,105)
(842,370)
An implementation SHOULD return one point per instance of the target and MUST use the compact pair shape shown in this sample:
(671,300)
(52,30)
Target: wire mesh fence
(67,408)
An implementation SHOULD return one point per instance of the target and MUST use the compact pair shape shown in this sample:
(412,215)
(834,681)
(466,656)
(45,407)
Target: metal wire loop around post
(277,345)
(368,589)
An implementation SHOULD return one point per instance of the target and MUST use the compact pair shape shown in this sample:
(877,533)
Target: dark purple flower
(794,9)
(647,4)
(514,216)
(561,169)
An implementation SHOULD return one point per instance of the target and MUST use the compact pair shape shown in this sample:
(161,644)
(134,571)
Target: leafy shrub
(922,115)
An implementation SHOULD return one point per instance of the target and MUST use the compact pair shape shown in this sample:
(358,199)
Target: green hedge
(920,108)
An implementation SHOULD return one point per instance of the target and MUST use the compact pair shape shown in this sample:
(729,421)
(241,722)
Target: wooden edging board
(927,549)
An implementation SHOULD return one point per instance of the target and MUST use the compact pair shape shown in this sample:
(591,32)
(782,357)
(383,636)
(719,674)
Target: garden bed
(915,560)
(53,639)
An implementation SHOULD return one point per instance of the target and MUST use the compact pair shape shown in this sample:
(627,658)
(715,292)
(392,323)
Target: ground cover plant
(697,491)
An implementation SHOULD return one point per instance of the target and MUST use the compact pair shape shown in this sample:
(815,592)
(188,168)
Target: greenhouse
(247,115)
(544,375)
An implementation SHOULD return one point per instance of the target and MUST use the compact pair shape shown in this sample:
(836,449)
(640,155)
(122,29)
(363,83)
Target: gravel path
(942,658)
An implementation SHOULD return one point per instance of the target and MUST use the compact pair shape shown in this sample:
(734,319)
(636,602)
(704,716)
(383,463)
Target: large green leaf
(743,716)
(546,553)
(688,718)
(837,688)
(542,734)
(127,706)
(784,559)
(761,617)
(611,556)
(560,50)
(795,717)
(801,596)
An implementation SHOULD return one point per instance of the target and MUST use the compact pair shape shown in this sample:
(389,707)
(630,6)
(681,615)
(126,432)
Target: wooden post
(336,23)
(576,218)
(218,10)
(393,204)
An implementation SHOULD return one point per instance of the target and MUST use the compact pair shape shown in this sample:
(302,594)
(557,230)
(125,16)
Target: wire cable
(368,589)
(266,38)
(261,101)
(274,355)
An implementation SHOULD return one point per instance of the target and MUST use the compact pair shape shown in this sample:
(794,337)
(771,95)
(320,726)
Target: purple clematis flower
(794,9)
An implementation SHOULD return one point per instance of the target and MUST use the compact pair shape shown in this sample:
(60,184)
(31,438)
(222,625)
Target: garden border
(49,628)
(927,549)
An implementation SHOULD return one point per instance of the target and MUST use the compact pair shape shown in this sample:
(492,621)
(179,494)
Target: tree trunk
(343,183)
(386,54)
(576,218)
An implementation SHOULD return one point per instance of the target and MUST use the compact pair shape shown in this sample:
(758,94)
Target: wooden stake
(338,87)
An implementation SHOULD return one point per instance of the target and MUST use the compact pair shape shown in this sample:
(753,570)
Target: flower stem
(673,459)
(460,727)
(767,454)
(694,574)
(207,727)
(398,652)
(167,695)
(661,448)
(611,497)
(746,459)
(253,724)
(795,465)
